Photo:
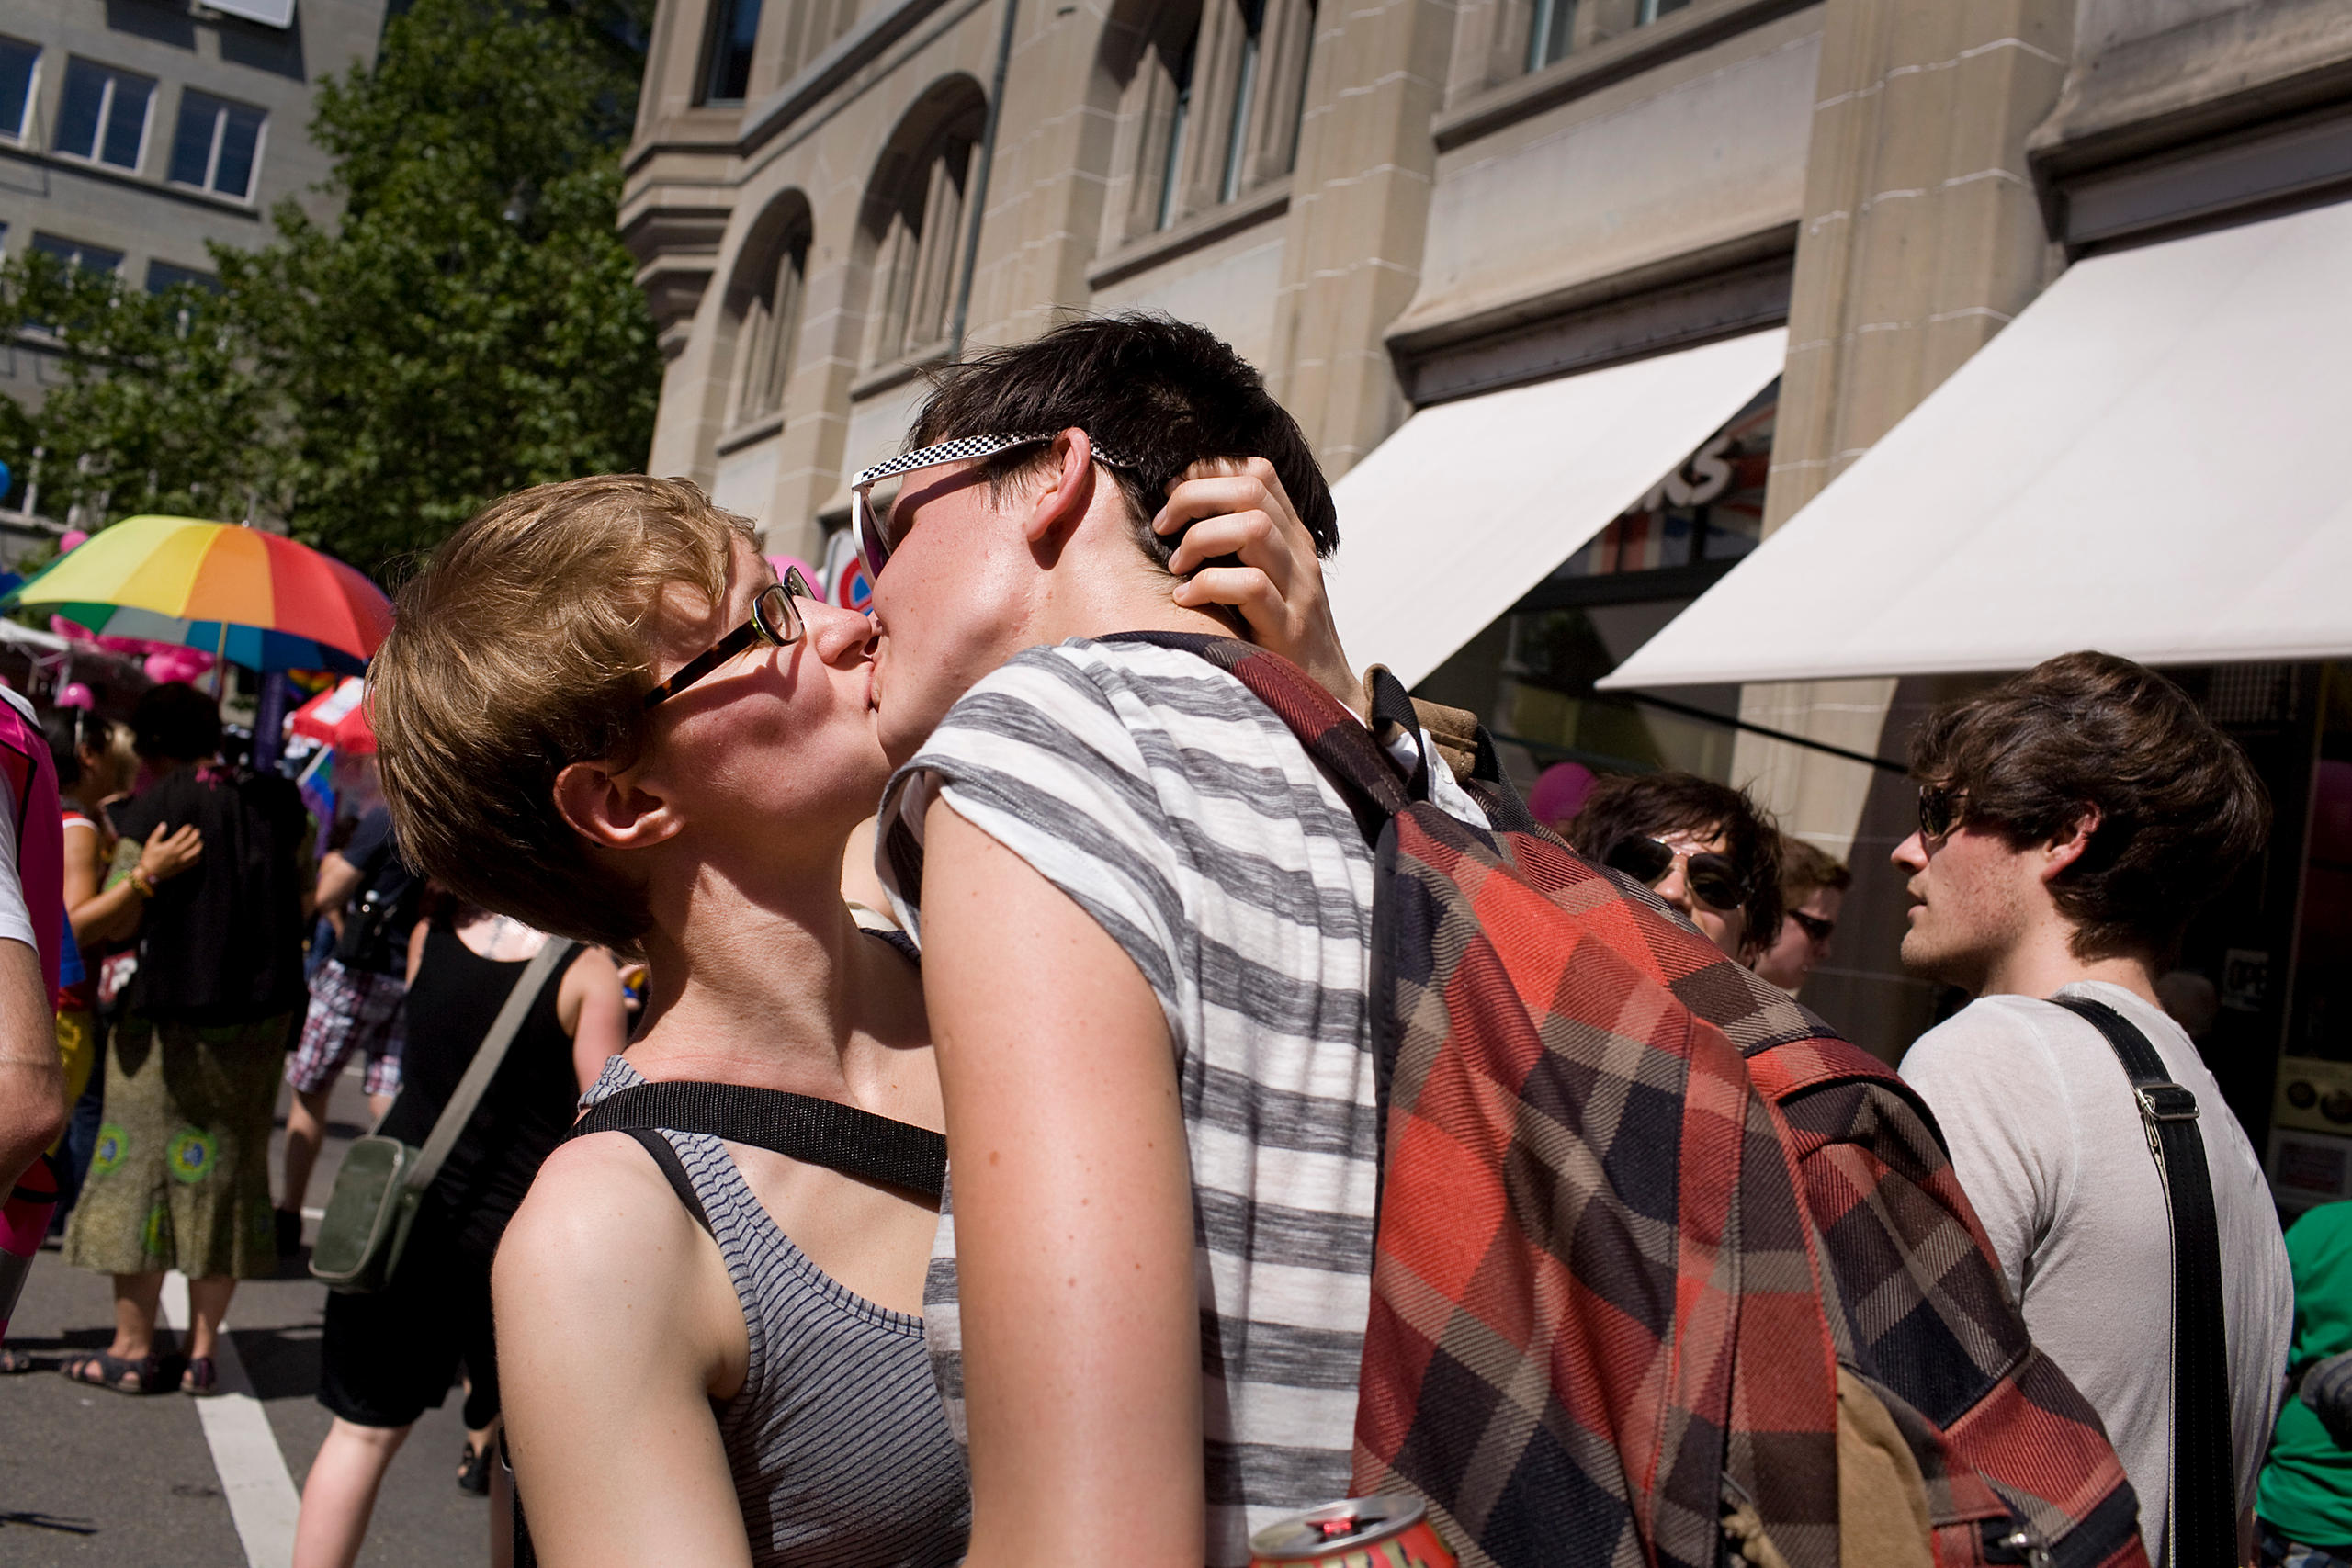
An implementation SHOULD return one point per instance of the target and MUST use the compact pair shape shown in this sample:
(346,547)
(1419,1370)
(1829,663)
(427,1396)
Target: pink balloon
(74,694)
(71,539)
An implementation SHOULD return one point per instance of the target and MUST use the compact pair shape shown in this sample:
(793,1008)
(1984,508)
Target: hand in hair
(1243,545)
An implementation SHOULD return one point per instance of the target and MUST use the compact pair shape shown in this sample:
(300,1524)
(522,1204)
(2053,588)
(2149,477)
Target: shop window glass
(216,146)
(18,62)
(734,28)
(1531,675)
(102,115)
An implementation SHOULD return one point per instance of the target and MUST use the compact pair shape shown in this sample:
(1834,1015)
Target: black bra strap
(675,1169)
(818,1132)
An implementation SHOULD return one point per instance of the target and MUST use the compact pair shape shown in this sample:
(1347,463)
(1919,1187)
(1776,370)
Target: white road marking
(253,1477)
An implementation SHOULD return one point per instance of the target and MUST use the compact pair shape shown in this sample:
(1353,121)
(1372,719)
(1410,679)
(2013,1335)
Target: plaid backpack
(1665,1272)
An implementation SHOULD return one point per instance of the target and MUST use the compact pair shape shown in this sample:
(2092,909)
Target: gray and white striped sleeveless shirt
(840,1449)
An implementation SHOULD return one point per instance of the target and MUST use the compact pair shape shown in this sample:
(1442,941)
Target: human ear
(611,809)
(2068,847)
(1056,509)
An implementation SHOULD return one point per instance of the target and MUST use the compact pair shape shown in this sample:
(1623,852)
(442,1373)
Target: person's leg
(136,1298)
(340,1493)
(306,1130)
(207,1304)
(502,1512)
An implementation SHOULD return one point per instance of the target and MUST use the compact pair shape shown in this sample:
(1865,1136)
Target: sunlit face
(1728,929)
(1790,960)
(776,747)
(948,606)
(1972,901)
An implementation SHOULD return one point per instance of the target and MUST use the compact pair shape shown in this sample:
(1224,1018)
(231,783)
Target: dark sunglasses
(1713,879)
(1942,809)
(871,529)
(1813,926)
(775,620)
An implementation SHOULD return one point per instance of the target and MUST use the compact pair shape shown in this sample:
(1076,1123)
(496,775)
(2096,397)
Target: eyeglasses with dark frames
(871,530)
(775,620)
(1713,879)
(1942,809)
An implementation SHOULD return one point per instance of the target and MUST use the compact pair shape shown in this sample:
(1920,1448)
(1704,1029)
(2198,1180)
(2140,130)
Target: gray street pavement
(88,1476)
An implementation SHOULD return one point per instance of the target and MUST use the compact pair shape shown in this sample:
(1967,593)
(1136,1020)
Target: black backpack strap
(2203,1526)
(675,1169)
(817,1132)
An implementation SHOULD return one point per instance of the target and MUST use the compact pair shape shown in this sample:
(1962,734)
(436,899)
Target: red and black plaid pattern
(1637,1208)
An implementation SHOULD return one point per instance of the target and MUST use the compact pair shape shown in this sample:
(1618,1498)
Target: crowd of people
(994,1164)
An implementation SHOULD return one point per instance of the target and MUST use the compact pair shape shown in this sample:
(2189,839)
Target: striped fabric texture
(1645,1222)
(1188,821)
(841,1454)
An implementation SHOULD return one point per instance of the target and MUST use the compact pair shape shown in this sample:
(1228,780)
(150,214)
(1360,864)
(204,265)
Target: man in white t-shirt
(2073,820)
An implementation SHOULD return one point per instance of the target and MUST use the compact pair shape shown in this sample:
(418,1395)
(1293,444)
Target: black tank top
(526,1111)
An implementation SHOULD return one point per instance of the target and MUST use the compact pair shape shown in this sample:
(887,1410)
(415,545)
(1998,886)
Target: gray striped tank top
(839,1446)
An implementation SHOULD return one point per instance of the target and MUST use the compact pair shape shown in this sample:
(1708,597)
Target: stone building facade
(1393,205)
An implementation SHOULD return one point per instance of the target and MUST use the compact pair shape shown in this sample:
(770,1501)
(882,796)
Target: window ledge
(898,372)
(91,168)
(1268,202)
(1589,69)
(750,432)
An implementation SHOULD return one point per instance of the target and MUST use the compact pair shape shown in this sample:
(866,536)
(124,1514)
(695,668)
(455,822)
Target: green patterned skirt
(180,1176)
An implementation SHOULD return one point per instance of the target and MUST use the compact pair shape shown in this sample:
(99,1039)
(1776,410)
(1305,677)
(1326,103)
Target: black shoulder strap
(819,1132)
(675,1169)
(2203,1523)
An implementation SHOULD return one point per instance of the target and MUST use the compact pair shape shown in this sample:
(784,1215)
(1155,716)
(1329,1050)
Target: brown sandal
(120,1373)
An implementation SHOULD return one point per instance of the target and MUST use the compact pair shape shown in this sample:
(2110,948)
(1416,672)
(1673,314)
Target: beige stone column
(1359,208)
(1921,239)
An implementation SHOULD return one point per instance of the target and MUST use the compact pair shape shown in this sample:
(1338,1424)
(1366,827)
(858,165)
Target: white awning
(2148,460)
(1448,522)
(268,13)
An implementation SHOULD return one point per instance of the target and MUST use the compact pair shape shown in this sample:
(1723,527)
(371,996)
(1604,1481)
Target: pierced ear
(610,809)
(1058,507)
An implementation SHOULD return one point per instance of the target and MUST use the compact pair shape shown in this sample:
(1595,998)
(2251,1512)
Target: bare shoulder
(599,1218)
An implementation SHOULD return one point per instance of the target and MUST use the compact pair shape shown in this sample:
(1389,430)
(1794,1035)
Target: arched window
(915,218)
(1211,92)
(770,323)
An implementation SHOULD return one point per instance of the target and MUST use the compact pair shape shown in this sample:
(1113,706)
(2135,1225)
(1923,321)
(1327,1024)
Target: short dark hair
(2180,808)
(177,723)
(1805,871)
(67,730)
(1162,394)
(1647,805)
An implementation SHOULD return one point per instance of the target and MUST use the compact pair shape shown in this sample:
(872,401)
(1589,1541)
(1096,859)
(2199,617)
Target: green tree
(466,325)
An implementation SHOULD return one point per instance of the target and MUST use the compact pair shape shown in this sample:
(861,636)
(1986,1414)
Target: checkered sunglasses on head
(872,532)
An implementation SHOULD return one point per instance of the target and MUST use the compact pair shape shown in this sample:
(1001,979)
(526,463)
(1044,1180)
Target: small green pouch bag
(384,1180)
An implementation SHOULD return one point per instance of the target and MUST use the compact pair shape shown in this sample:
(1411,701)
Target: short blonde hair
(518,650)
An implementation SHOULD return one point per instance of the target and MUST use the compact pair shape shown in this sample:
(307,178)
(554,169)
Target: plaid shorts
(2275,1551)
(351,1009)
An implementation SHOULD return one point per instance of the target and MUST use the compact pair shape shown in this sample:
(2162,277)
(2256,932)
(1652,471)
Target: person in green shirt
(2303,1505)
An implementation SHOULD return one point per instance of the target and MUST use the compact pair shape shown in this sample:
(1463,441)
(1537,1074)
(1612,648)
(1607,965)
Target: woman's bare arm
(614,1311)
(1072,1192)
(593,1012)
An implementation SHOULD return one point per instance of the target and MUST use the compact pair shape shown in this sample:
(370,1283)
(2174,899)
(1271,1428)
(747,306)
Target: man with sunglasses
(2072,821)
(1704,848)
(1813,888)
(1145,926)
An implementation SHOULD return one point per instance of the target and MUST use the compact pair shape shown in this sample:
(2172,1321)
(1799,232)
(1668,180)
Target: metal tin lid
(1358,1521)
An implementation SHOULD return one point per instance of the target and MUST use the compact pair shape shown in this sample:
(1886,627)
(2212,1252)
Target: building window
(78,253)
(734,28)
(103,115)
(1212,106)
(161,275)
(17,61)
(771,324)
(1559,27)
(921,229)
(217,145)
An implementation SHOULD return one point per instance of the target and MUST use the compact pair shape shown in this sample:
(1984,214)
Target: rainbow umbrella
(256,599)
